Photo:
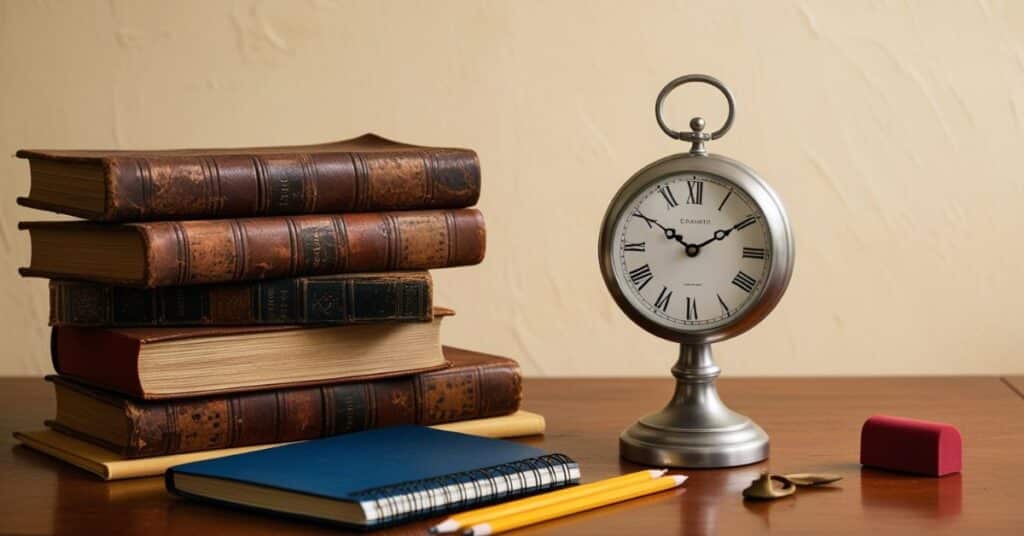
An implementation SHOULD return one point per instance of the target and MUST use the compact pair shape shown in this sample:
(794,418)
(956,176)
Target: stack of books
(228,299)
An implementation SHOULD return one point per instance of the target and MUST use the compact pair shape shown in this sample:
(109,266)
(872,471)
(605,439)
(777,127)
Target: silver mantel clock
(696,248)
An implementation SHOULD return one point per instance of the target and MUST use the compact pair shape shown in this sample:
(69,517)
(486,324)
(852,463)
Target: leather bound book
(175,362)
(109,465)
(365,174)
(164,254)
(475,386)
(329,299)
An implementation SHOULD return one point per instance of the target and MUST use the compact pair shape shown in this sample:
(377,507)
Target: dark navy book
(375,478)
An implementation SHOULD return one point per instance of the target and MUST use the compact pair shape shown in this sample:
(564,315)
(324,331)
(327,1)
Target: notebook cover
(347,467)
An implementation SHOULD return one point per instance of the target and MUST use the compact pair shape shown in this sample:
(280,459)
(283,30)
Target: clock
(696,248)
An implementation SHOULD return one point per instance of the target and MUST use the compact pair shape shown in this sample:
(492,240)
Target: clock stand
(695,429)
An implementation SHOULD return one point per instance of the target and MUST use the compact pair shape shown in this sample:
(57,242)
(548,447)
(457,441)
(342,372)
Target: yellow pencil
(472,517)
(574,506)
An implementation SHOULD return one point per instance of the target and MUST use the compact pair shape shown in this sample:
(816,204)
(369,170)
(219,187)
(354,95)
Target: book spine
(216,251)
(224,186)
(342,299)
(189,425)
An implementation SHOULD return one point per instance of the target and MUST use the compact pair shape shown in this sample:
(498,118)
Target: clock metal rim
(780,236)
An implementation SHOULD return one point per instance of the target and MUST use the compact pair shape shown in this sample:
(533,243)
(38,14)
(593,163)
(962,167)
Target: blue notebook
(377,477)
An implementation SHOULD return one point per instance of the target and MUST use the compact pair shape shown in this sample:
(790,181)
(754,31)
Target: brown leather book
(364,174)
(475,386)
(327,299)
(163,254)
(174,362)
(110,465)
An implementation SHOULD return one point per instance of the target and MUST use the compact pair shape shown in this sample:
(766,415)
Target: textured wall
(893,132)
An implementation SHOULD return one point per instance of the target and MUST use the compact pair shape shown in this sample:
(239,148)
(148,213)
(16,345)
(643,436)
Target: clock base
(695,429)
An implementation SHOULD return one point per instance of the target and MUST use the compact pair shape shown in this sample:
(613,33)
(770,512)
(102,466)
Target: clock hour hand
(720,234)
(670,233)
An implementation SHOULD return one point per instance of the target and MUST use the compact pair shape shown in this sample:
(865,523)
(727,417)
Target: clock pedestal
(695,429)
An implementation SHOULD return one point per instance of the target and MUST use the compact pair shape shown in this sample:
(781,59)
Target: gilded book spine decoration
(211,251)
(467,390)
(337,299)
(364,174)
(267,185)
(200,252)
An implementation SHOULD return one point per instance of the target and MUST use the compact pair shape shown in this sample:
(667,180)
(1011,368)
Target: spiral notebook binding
(422,498)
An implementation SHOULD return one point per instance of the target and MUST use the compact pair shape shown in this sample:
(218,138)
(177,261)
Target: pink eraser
(910,445)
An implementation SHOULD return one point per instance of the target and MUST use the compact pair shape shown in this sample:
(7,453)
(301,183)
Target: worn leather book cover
(475,386)
(162,254)
(329,299)
(109,465)
(176,362)
(364,174)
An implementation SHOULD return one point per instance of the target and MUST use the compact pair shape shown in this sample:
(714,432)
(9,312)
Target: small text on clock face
(691,251)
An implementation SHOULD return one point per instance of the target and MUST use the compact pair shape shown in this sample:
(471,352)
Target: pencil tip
(679,479)
(657,473)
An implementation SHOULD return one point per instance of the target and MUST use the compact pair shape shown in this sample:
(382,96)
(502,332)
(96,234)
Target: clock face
(691,252)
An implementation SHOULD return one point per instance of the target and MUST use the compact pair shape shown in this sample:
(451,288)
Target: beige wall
(894,134)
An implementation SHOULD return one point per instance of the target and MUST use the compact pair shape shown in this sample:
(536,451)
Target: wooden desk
(814,425)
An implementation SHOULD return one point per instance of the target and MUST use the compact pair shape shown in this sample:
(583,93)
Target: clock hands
(719,235)
(638,214)
(670,233)
(693,249)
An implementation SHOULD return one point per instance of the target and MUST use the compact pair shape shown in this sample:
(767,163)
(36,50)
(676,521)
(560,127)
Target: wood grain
(814,425)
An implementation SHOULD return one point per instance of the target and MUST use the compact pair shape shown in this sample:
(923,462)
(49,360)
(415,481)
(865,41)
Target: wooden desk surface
(814,425)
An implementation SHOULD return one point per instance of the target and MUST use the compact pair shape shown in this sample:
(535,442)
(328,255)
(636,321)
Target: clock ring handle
(697,136)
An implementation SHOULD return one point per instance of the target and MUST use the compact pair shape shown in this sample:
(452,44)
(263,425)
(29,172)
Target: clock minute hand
(649,221)
(670,233)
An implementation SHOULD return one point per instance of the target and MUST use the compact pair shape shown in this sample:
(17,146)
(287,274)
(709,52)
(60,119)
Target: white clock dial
(691,252)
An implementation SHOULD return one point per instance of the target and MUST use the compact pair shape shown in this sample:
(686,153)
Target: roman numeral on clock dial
(691,308)
(695,193)
(753,253)
(744,281)
(648,221)
(666,192)
(724,199)
(641,276)
(747,222)
(635,246)
(673,248)
(663,298)
(725,308)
